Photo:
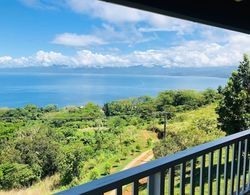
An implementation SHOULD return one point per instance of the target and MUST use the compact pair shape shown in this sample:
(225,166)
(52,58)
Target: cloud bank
(187,54)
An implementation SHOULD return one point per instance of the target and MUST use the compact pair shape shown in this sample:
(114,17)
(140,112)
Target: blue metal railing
(194,167)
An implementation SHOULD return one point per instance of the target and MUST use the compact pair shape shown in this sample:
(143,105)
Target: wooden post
(165,125)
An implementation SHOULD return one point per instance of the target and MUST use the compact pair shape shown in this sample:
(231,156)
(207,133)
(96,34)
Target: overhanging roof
(229,14)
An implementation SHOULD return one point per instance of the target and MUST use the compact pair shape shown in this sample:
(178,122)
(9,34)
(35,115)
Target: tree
(234,107)
(116,125)
(188,99)
(13,175)
(210,96)
(165,99)
(50,108)
(72,162)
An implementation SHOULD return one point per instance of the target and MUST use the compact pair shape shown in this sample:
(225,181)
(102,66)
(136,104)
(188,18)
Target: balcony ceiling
(229,14)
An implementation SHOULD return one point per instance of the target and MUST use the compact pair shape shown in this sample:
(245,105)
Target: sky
(91,33)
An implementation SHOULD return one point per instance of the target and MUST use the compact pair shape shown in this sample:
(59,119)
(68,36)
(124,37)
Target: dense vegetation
(39,142)
(188,129)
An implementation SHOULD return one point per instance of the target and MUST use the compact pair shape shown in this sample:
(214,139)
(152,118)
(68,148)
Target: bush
(94,174)
(138,147)
(107,168)
(72,163)
(13,175)
(50,108)
(149,142)
(125,153)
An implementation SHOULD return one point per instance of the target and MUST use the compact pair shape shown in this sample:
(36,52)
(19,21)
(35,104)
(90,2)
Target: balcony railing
(217,167)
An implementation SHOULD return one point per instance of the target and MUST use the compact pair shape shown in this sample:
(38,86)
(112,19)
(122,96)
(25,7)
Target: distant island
(221,72)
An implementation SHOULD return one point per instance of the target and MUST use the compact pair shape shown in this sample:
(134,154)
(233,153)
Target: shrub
(107,168)
(94,174)
(138,147)
(149,142)
(13,175)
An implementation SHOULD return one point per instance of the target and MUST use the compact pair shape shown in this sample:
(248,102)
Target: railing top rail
(124,177)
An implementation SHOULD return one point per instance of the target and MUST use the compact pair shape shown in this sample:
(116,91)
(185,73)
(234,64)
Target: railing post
(238,168)
(135,188)
(156,184)
(202,173)
(192,185)
(171,180)
(210,173)
(226,166)
(245,165)
(218,172)
(119,191)
(182,178)
(248,185)
(232,170)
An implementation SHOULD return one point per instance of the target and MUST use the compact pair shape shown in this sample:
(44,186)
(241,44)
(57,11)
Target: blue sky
(80,33)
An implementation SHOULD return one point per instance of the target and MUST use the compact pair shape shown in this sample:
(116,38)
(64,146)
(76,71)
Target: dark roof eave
(227,14)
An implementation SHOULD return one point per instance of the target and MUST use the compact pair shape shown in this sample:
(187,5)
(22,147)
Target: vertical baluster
(210,173)
(232,171)
(119,190)
(156,184)
(226,170)
(171,181)
(162,191)
(238,168)
(245,165)
(135,187)
(192,177)
(202,171)
(182,178)
(218,171)
(248,186)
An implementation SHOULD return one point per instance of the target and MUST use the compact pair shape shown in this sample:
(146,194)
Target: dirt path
(143,158)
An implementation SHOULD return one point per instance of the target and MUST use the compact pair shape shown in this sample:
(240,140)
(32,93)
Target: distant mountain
(223,72)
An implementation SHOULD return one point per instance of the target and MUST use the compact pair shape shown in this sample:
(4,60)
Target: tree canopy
(234,107)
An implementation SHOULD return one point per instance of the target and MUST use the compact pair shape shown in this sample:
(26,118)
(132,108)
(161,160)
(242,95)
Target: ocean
(18,89)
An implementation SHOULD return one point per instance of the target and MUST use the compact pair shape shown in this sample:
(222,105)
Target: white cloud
(75,40)
(127,34)
(8,61)
(88,58)
(164,23)
(197,53)
(49,58)
(120,14)
(106,11)
(117,14)
(188,54)
(5,59)
(106,34)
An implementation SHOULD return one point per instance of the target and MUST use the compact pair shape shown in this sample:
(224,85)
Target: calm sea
(17,89)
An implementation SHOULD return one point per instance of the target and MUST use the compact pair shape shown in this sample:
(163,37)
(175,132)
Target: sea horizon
(64,89)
